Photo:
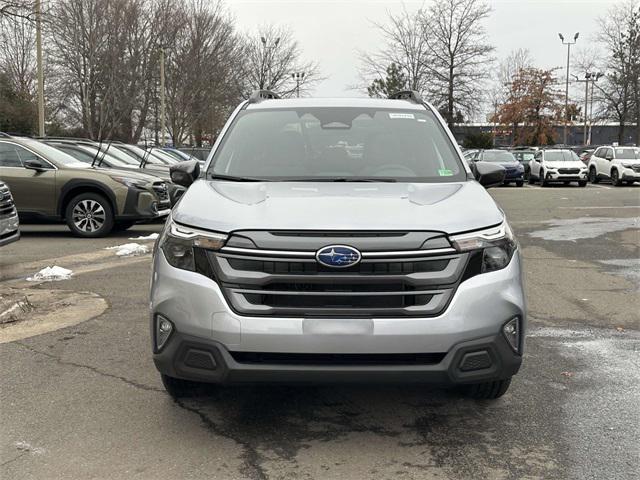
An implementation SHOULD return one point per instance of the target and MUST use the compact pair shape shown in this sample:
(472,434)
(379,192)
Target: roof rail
(259,95)
(410,95)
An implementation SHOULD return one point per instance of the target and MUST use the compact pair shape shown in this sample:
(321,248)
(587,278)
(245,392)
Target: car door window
(599,152)
(28,156)
(9,156)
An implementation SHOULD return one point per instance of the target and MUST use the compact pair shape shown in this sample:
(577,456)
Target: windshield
(53,154)
(627,153)
(106,155)
(498,156)
(164,156)
(561,156)
(139,153)
(524,156)
(337,144)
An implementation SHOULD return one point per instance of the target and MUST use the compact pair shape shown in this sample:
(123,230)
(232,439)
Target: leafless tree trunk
(405,46)
(459,55)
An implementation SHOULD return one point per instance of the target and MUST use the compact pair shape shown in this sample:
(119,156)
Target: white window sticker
(402,115)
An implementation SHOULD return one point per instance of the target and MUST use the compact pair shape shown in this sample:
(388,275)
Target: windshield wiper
(341,179)
(231,178)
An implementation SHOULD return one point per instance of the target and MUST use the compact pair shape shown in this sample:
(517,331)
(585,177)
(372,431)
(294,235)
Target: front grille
(7,207)
(161,191)
(338,359)
(568,171)
(383,284)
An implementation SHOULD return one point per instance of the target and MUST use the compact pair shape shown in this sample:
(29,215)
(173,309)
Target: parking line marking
(598,186)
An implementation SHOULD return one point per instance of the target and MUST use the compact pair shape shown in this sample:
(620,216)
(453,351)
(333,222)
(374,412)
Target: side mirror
(34,165)
(608,157)
(489,174)
(185,173)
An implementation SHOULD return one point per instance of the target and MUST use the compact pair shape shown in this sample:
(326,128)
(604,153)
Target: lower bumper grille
(338,359)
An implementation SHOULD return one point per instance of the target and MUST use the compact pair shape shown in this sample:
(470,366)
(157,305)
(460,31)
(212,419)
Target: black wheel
(583,183)
(615,178)
(593,176)
(543,180)
(122,226)
(531,180)
(178,388)
(89,215)
(489,390)
(519,183)
(630,182)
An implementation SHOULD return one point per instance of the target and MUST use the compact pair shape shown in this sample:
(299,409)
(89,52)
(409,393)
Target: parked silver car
(9,224)
(291,260)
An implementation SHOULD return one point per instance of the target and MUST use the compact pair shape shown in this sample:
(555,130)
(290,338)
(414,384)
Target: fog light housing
(511,331)
(163,330)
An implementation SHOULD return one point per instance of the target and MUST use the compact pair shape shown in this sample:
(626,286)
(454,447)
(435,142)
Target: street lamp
(298,77)
(566,92)
(594,78)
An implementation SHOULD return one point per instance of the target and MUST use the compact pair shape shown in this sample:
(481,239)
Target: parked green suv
(49,185)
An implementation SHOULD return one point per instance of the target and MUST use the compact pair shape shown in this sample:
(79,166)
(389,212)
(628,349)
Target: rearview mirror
(489,174)
(185,173)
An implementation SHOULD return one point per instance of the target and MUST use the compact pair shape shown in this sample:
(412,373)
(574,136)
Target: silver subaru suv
(337,240)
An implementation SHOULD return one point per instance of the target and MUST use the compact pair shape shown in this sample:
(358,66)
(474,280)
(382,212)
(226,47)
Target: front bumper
(141,205)
(566,177)
(203,320)
(629,174)
(9,229)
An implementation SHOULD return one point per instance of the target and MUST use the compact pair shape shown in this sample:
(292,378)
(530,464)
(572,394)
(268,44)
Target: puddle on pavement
(572,229)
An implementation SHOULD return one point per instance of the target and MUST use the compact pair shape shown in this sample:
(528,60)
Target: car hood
(129,173)
(573,164)
(507,164)
(229,206)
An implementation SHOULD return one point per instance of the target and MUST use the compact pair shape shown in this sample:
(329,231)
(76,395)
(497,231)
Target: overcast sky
(332,32)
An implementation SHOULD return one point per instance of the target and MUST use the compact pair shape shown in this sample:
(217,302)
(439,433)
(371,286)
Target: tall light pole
(267,59)
(162,104)
(566,92)
(594,78)
(587,77)
(40,73)
(298,77)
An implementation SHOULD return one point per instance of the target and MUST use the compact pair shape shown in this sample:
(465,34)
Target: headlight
(178,243)
(497,245)
(627,164)
(131,182)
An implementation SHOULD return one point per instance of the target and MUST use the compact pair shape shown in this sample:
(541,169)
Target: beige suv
(50,186)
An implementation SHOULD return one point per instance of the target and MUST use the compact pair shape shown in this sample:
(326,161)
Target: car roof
(363,102)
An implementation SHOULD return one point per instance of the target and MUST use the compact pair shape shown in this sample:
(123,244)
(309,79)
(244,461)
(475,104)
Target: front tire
(615,178)
(543,180)
(89,215)
(582,184)
(593,176)
(488,390)
(519,183)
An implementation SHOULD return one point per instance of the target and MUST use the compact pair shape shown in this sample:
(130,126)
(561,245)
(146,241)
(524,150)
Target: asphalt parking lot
(84,401)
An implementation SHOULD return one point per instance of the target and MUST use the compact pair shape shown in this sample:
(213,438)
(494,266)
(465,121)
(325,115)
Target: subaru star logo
(338,256)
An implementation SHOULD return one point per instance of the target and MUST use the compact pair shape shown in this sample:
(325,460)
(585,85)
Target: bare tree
(17,9)
(619,34)
(459,55)
(271,56)
(17,55)
(406,47)
(202,64)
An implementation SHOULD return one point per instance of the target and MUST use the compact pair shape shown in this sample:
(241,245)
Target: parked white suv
(557,165)
(618,164)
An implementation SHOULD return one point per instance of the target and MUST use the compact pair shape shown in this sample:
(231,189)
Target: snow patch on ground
(572,229)
(151,236)
(129,249)
(27,447)
(51,274)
